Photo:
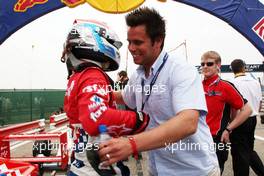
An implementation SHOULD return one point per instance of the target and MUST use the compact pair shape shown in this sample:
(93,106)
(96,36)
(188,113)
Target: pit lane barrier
(32,131)
(57,120)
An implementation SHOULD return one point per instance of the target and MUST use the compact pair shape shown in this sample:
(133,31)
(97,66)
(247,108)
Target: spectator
(221,96)
(242,138)
(262,118)
(120,84)
(171,93)
(122,80)
(61,110)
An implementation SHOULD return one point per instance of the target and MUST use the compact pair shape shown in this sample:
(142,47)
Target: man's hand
(142,120)
(114,150)
(95,162)
(103,168)
(225,137)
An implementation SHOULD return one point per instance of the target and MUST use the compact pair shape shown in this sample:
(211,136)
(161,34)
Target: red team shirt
(89,101)
(220,97)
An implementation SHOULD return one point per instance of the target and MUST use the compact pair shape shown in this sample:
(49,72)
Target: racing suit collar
(212,80)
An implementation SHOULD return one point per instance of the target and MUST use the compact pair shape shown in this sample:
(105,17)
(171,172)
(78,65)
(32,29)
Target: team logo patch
(96,99)
(94,106)
(213,93)
(96,102)
(78,163)
(91,88)
(95,88)
(95,115)
(116,130)
(259,28)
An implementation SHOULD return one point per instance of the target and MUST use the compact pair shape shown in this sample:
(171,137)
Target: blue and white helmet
(91,41)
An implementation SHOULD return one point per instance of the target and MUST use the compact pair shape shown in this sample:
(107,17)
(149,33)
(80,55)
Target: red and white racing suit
(89,103)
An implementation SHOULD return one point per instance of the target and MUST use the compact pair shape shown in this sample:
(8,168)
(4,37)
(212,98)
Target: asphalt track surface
(139,169)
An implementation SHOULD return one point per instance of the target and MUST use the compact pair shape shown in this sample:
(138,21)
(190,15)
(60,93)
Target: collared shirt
(220,96)
(178,87)
(251,90)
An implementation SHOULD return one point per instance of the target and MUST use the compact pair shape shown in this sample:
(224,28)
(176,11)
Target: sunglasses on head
(209,64)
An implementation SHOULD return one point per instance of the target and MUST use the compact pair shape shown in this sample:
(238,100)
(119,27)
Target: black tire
(41,147)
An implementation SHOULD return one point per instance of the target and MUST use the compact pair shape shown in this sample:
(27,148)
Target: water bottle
(103,136)
(94,159)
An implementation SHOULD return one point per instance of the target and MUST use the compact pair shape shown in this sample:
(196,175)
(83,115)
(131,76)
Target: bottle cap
(102,128)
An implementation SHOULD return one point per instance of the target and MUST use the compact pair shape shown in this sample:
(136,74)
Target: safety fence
(44,142)
(23,105)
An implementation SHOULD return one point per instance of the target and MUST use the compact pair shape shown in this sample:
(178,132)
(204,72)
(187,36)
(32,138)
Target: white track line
(19,144)
(259,138)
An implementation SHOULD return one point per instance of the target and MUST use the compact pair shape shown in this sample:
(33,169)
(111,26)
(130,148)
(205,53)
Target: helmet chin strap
(103,65)
(94,62)
(75,62)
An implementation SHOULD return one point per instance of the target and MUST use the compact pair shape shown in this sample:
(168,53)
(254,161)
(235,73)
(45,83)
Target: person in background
(120,84)
(262,118)
(122,80)
(178,139)
(91,48)
(221,97)
(242,138)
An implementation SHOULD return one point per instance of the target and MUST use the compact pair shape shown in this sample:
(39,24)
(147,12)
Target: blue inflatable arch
(246,16)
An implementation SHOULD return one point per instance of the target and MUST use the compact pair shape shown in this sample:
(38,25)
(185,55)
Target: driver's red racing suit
(88,103)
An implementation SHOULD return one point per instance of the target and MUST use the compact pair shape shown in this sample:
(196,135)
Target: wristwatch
(228,130)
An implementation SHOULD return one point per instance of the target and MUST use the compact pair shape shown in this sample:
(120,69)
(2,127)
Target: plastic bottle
(93,158)
(103,136)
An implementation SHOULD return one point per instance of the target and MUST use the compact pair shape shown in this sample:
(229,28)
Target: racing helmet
(91,41)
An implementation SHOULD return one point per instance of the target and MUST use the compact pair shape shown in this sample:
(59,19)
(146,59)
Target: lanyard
(152,81)
(215,82)
(213,92)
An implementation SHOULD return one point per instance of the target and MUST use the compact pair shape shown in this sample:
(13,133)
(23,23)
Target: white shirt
(178,87)
(251,90)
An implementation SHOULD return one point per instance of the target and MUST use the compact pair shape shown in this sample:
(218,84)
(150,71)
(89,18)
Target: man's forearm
(240,117)
(182,125)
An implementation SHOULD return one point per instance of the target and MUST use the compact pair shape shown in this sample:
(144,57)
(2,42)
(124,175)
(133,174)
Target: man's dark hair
(154,23)
(122,73)
(238,66)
